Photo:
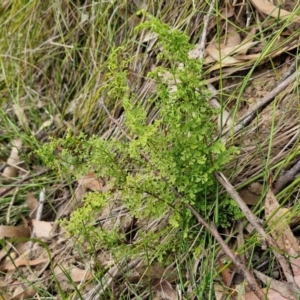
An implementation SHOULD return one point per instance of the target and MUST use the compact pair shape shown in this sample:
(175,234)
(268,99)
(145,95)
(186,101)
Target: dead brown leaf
(251,194)
(220,55)
(231,45)
(233,38)
(295,262)
(242,58)
(22,292)
(42,229)
(268,8)
(79,275)
(219,291)
(284,289)
(163,288)
(278,222)
(13,160)
(248,197)
(225,54)
(19,112)
(272,295)
(92,183)
(23,262)
(226,275)
(242,48)
(14,231)
(249,38)
(227,11)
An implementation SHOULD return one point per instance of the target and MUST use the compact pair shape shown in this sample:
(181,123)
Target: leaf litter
(235,53)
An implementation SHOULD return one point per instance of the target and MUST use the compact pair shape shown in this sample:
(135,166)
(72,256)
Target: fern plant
(174,155)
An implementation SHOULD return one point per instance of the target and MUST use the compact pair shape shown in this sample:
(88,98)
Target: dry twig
(203,38)
(286,178)
(255,222)
(38,215)
(261,105)
(290,70)
(235,260)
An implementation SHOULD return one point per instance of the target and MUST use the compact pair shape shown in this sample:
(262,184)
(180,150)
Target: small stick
(286,178)
(204,30)
(38,214)
(261,105)
(256,224)
(41,205)
(249,15)
(255,221)
(235,259)
(290,70)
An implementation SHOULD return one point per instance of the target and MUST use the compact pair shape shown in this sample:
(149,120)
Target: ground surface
(53,66)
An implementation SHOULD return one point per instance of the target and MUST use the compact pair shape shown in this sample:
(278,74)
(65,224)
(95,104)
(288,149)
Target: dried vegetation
(53,62)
